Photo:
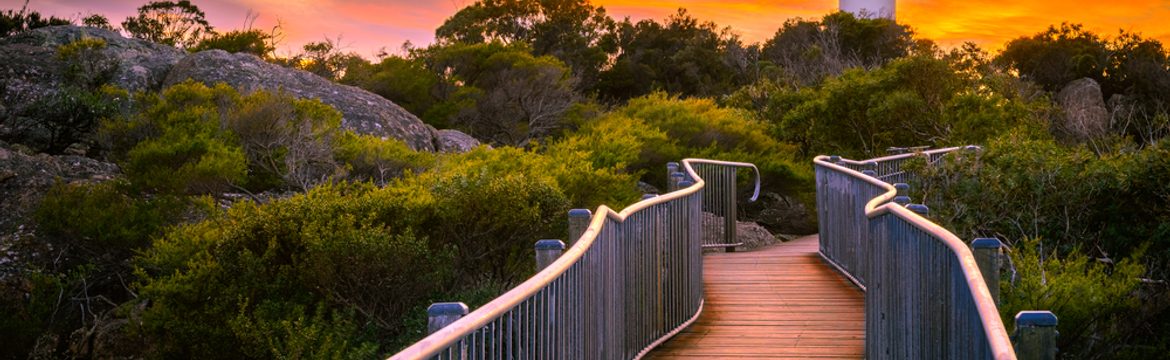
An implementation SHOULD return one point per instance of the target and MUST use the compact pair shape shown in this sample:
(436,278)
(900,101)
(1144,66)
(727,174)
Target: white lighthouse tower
(870,8)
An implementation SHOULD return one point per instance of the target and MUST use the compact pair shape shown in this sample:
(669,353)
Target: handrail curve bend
(994,332)
(495,319)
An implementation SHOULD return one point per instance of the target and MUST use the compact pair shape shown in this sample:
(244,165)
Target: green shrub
(196,139)
(55,121)
(73,274)
(253,41)
(342,266)
(379,160)
(910,101)
(28,304)
(287,139)
(101,223)
(1090,298)
(652,130)
(175,142)
(262,268)
(86,63)
(1102,219)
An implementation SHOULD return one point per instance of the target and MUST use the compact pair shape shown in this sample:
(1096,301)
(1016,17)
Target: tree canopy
(176,23)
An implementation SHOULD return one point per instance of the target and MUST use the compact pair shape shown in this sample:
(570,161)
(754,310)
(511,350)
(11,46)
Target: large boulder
(33,76)
(30,68)
(362,111)
(454,141)
(1085,114)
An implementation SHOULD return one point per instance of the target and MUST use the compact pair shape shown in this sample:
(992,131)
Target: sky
(366,26)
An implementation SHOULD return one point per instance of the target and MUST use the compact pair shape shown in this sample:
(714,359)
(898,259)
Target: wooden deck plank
(780,302)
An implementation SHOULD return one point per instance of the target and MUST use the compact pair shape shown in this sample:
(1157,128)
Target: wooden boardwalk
(778,302)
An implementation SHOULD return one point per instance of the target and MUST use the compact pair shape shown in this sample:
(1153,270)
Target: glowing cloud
(367,25)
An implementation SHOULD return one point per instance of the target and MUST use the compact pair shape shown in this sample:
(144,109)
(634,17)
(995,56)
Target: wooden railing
(925,295)
(629,281)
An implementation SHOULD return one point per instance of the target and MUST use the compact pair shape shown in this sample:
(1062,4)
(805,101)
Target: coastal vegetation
(252,223)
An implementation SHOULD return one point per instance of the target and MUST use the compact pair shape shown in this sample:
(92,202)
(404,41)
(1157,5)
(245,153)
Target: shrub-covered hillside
(172,190)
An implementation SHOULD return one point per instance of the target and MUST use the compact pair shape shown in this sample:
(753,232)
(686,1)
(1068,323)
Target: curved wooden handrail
(482,316)
(882,204)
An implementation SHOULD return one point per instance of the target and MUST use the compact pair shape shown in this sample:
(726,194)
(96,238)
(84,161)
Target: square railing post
(578,221)
(1035,336)
(441,314)
(987,253)
(675,178)
(547,251)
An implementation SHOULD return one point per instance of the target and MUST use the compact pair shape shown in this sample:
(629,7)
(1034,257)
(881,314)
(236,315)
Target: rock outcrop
(454,141)
(24,180)
(362,111)
(1085,114)
(29,65)
(751,234)
(781,214)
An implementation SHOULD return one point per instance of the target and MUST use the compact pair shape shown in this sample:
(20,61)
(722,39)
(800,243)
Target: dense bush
(57,120)
(339,266)
(87,65)
(1083,229)
(175,142)
(1091,298)
(76,267)
(805,52)
(197,139)
(255,42)
(368,157)
(912,101)
(282,276)
(652,130)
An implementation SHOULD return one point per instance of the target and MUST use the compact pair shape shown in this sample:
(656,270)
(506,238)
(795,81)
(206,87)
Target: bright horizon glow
(365,26)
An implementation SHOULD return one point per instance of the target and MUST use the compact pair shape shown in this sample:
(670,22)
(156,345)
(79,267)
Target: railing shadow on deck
(631,280)
(925,295)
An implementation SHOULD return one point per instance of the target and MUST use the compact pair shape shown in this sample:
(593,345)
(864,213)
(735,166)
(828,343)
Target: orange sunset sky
(367,25)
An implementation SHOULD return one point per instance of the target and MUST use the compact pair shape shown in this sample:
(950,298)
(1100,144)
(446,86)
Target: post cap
(986,243)
(649,196)
(685,183)
(834,158)
(902,186)
(673,164)
(580,213)
(678,174)
(973,148)
(871,165)
(447,308)
(918,208)
(869,173)
(1035,318)
(902,200)
(550,244)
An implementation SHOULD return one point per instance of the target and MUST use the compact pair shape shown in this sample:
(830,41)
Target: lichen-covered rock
(1085,115)
(362,111)
(454,141)
(24,180)
(30,68)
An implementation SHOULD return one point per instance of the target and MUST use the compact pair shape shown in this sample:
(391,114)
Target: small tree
(98,21)
(255,42)
(180,24)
